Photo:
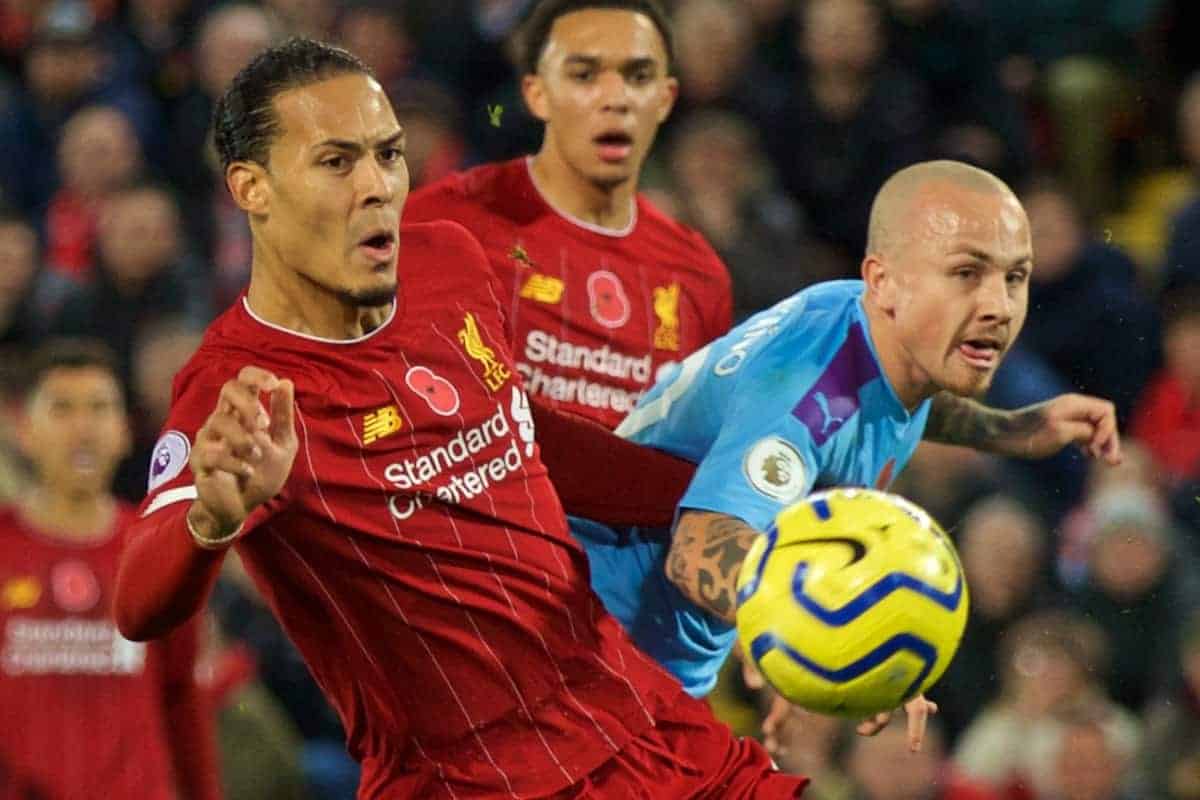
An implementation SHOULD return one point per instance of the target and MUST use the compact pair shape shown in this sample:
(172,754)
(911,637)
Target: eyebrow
(636,62)
(980,255)
(356,147)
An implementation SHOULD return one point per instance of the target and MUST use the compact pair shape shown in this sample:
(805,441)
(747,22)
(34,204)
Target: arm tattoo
(957,420)
(706,554)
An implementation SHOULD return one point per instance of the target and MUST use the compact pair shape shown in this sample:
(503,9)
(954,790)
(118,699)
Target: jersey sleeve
(754,469)
(164,577)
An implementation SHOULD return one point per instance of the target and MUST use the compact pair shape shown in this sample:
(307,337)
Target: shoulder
(432,243)
(653,223)
(486,189)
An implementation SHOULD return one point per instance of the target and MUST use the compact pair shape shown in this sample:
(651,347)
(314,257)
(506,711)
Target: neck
(285,298)
(76,516)
(574,194)
(908,381)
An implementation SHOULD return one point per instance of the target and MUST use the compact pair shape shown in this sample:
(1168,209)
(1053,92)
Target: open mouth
(380,246)
(983,352)
(614,146)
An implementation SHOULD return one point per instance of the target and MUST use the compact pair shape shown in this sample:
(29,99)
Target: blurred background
(1080,675)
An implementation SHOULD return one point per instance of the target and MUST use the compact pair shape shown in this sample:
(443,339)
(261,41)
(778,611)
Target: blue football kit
(791,400)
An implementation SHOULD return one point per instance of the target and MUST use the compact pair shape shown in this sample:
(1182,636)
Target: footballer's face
(602,89)
(75,430)
(328,203)
(958,287)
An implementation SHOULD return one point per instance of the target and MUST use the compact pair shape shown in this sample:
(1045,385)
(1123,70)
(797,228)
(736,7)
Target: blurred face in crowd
(1128,561)
(1182,349)
(98,151)
(75,430)
(327,206)
(886,769)
(138,234)
(59,72)
(1000,549)
(155,363)
(953,283)
(378,37)
(230,37)
(712,39)
(602,89)
(716,156)
(1043,677)
(18,261)
(1057,233)
(1086,767)
(841,36)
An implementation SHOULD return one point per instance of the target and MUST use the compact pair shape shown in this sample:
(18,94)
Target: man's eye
(390,155)
(334,162)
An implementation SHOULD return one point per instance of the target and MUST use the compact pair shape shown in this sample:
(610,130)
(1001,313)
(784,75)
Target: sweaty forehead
(611,34)
(348,107)
(956,215)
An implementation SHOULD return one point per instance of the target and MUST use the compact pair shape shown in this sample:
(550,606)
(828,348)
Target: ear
(670,94)
(880,282)
(533,89)
(247,182)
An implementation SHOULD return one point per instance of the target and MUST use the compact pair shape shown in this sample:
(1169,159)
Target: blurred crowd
(1079,678)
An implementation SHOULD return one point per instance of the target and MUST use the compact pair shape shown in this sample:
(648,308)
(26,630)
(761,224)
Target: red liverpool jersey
(85,713)
(417,554)
(593,313)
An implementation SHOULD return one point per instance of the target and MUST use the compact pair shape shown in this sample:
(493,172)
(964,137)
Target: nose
(996,303)
(614,91)
(377,185)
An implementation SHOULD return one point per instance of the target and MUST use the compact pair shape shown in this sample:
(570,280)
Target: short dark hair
(244,120)
(535,30)
(68,354)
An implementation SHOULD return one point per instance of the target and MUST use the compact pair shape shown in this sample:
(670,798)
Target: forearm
(164,577)
(962,421)
(601,476)
(707,551)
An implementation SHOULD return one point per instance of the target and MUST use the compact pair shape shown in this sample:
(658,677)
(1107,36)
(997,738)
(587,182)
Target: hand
(918,710)
(1077,419)
(243,454)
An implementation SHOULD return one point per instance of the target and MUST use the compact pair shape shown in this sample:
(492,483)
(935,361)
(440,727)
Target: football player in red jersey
(354,425)
(601,288)
(88,713)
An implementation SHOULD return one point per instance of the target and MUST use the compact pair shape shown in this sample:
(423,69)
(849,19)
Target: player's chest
(639,301)
(435,402)
(57,582)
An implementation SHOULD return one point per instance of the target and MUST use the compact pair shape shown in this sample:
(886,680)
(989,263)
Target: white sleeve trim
(170,496)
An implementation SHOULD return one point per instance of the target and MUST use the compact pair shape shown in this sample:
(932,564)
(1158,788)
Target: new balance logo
(380,423)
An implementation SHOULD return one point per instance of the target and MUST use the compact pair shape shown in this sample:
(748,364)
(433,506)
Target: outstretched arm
(707,551)
(1036,431)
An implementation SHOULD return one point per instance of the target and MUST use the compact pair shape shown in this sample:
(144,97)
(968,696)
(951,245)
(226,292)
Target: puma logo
(823,405)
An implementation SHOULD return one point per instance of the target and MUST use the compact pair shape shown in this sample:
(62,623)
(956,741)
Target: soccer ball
(852,603)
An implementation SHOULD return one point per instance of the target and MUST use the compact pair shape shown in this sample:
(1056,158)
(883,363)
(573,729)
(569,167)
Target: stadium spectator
(1182,267)
(848,122)
(1088,319)
(89,713)
(143,272)
(1004,553)
(66,67)
(725,187)
(1169,761)
(98,154)
(884,767)
(1052,667)
(1167,416)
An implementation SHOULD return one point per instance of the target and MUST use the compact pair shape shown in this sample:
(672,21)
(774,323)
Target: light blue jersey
(791,400)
